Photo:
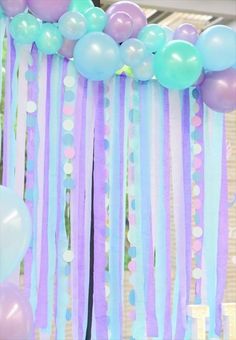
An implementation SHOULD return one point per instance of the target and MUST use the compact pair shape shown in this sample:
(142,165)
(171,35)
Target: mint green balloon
(49,40)
(81,5)
(24,28)
(153,36)
(96,19)
(178,65)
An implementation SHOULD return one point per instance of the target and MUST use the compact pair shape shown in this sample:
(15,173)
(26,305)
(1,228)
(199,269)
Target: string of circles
(102,44)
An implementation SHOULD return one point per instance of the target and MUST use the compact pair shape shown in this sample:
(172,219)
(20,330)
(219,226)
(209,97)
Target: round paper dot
(132,266)
(133,204)
(69,81)
(197,260)
(196,177)
(197,148)
(197,204)
(197,245)
(195,135)
(132,317)
(132,297)
(69,96)
(68,139)
(196,190)
(197,232)
(31,106)
(132,251)
(106,144)
(131,235)
(197,273)
(132,218)
(68,168)
(197,163)
(107,290)
(195,93)
(68,125)
(131,157)
(134,115)
(196,121)
(68,110)
(69,153)
(107,129)
(196,218)
(68,314)
(69,183)
(68,256)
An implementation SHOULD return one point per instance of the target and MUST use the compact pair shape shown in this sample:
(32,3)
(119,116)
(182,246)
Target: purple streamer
(222,255)
(100,305)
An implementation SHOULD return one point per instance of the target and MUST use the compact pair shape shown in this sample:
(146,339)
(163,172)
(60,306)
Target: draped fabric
(125,181)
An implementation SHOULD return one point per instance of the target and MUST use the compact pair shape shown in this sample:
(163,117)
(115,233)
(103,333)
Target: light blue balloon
(72,25)
(24,28)
(169,33)
(133,51)
(97,56)
(15,231)
(96,19)
(153,36)
(145,70)
(217,45)
(49,40)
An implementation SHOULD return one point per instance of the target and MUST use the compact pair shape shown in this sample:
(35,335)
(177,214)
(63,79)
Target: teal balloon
(153,36)
(217,45)
(1,13)
(178,65)
(15,231)
(97,56)
(133,51)
(72,25)
(169,33)
(24,28)
(49,40)
(96,19)
(145,70)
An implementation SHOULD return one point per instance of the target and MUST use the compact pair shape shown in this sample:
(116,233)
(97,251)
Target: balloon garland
(78,30)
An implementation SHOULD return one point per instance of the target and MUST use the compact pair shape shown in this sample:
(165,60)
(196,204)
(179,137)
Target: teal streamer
(213,137)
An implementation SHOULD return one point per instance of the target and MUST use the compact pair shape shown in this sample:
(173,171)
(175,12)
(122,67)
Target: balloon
(97,56)
(178,65)
(119,26)
(200,79)
(145,70)
(96,19)
(49,40)
(81,5)
(153,36)
(134,11)
(67,49)
(16,318)
(13,7)
(219,89)
(24,28)
(48,10)
(217,45)
(169,33)
(1,12)
(133,51)
(72,25)
(186,32)
(15,231)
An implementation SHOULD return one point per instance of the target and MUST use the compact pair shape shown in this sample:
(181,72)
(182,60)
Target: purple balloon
(13,7)
(219,89)
(48,10)
(134,11)
(67,49)
(186,32)
(119,26)
(16,318)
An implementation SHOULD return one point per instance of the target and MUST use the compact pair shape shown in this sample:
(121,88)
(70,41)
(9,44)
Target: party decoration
(72,25)
(218,90)
(13,7)
(133,10)
(153,36)
(186,32)
(119,26)
(96,19)
(47,10)
(15,231)
(133,51)
(24,28)
(97,56)
(145,70)
(49,40)
(16,317)
(217,45)
(67,49)
(178,65)
(169,33)
(81,5)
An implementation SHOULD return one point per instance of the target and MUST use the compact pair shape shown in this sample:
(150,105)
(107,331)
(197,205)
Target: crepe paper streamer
(148,251)
(2,35)
(213,130)
(100,305)
(176,143)
(162,209)
(41,316)
(222,255)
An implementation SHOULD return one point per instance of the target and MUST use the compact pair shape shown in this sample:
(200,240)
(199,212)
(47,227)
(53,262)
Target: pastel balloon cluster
(16,319)
(101,43)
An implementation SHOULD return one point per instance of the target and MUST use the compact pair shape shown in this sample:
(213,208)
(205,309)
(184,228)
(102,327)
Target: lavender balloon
(119,26)
(13,7)
(134,11)
(186,32)
(16,319)
(219,89)
(48,10)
